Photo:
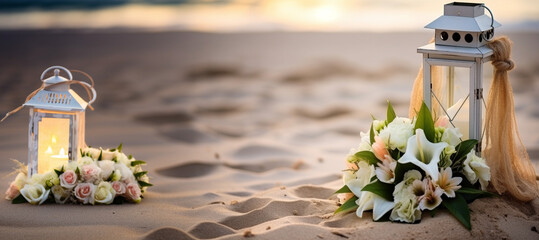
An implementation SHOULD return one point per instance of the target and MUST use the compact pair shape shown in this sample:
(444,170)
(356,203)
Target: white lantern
(56,128)
(459,48)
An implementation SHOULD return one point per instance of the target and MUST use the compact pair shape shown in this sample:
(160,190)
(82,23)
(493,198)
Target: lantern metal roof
(468,17)
(57,96)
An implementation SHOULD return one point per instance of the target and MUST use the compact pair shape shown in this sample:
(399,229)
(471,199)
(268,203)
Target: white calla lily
(424,154)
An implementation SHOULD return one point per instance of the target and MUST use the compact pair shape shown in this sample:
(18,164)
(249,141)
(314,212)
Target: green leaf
(381,189)
(19,199)
(424,121)
(77,171)
(367,156)
(58,172)
(390,112)
(130,157)
(100,155)
(140,174)
(463,148)
(348,206)
(120,147)
(401,169)
(144,184)
(459,208)
(137,162)
(470,194)
(344,189)
(81,153)
(371,135)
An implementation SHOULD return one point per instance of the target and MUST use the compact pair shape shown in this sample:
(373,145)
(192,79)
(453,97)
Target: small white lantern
(56,128)
(459,48)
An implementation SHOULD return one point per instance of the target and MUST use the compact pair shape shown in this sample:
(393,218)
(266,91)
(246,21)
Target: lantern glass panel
(452,97)
(55,138)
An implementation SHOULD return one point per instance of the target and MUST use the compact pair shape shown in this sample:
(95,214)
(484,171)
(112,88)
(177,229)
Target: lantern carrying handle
(57,67)
(491,25)
(94,94)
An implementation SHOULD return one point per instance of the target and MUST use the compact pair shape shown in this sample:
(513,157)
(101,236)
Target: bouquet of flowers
(405,166)
(100,176)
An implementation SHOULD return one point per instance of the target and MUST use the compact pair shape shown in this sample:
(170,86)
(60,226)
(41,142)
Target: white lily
(448,183)
(423,153)
(475,168)
(385,172)
(432,197)
(362,177)
(371,201)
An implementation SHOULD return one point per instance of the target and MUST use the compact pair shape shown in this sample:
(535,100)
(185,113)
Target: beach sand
(245,134)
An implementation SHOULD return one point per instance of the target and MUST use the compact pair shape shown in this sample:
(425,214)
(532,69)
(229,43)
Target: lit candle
(462,119)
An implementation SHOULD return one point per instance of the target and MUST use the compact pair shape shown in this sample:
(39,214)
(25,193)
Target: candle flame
(53,139)
(49,150)
(61,154)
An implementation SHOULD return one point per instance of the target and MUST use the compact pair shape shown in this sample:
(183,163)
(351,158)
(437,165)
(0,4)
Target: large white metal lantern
(56,128)
(458,53)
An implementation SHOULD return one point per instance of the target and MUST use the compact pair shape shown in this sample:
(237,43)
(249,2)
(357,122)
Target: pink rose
(12,192)
(443,121)
(379,149)
(90,173)
(85,192)
(133,192)
(68,179)
(119,187)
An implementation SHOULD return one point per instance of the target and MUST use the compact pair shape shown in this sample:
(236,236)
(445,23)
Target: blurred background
(211,72)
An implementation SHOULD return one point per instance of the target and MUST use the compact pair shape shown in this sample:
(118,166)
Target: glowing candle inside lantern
(460,118)
(53,143)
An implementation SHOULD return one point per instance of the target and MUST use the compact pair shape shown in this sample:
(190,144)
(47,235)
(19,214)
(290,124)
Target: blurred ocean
(248,15)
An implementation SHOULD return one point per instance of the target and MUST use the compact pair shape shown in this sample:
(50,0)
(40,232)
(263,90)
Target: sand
(245,134)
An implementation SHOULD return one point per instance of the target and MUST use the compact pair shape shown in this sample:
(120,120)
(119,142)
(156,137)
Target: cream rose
(35,193)
(133,192)
(104,193)
(85,192)
(107,155)
(68,179)
(94,152)
(126,173)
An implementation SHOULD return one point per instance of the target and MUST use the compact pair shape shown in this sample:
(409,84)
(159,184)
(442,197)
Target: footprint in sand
(206,230)
(254,152)
(201,169)
(168,233)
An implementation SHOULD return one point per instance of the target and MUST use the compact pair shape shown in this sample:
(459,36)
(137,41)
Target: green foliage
(371,135)
(462,149)
(459,208)
(140,174)
(401,169)
(19,199)
(381,189)
(344,189)
(144,184)
(367,156)
(470,194)
(348,206)
(424,121)
(100,156)
(390,113)
(137,162)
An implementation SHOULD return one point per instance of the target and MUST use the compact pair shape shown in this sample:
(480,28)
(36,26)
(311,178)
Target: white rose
(35,193)
(397,133)
(452,136)
(126,173)
(85,161)
(116,175)
(51,179)
(104,193)
(107,167)
(402,189)
(475,168)
(61,195)
(37,179)
(122,158)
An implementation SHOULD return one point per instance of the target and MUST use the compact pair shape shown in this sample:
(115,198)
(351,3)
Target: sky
(249,15)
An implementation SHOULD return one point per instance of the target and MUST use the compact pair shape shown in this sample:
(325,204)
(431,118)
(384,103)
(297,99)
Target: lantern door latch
(479,93)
